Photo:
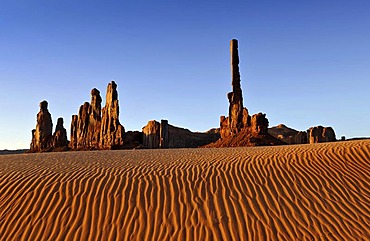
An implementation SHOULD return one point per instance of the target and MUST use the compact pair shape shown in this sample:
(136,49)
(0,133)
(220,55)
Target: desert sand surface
(298,192)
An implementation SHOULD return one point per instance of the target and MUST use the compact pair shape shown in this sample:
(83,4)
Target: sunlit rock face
(97,128)
(112,132)
(42,135)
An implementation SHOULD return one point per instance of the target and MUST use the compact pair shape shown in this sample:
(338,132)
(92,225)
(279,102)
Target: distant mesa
(97,128)
(164,135)
(319,134)
(316,134)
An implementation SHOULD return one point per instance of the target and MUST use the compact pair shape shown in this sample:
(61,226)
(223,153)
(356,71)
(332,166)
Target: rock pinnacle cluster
(97,128)
(42,137)
(93,128)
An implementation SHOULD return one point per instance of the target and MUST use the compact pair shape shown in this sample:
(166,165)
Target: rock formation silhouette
(151,134)
(86,126)
(97,128)
(60,135)
(288,135)
(164,135)
(315,134)
(42,136)
(319,134)
(111,135)
(239,128)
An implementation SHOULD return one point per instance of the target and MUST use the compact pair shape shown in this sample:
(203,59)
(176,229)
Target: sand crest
(300,192)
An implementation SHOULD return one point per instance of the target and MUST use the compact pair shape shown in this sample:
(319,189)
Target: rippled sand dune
(301,192)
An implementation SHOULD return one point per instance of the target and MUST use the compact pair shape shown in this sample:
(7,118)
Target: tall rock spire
(94,128)
(112,131)
(235,97)
(42,135)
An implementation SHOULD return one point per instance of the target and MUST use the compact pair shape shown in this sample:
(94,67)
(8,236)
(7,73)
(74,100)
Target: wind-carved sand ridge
(300,192)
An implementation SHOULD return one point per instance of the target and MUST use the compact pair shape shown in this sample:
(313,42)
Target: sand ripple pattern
(301,192)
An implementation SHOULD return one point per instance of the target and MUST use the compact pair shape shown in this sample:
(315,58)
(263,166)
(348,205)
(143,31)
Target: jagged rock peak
(95,104)
(112,93)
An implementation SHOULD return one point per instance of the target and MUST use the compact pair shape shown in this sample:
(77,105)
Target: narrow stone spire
(235,97)
(235,73)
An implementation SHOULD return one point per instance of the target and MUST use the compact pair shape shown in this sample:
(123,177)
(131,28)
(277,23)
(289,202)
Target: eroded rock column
(42,135)
(60,135)
(151,134)
(164,141)
(112,131)
(94,127)
(235,97)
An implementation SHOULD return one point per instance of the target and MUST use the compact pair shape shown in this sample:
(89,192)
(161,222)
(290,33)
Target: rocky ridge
(163,135)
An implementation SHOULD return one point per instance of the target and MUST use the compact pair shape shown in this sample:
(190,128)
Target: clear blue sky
(304,63)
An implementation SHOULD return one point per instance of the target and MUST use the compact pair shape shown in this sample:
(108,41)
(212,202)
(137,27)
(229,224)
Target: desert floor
(300,192)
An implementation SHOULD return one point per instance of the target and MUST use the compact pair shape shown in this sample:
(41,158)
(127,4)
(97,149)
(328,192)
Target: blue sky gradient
(303,63)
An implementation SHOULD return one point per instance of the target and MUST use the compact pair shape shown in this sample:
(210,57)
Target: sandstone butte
(97,128)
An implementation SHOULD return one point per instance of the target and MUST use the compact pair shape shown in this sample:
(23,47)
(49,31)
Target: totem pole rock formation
(60,135)
(235,97)
(42,135)
(319,134)
(239,128)
(112,131)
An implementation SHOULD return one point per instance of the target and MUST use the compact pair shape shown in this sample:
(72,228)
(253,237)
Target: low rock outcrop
(42,139)
(164,135)
(283,133)
(319,134)
(300,138)
(288,135)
